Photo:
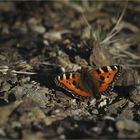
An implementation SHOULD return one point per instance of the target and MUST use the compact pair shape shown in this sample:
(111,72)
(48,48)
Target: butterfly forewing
(69,81)
(106,75)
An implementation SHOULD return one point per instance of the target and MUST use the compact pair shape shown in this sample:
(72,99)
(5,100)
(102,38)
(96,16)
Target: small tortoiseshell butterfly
(87,83)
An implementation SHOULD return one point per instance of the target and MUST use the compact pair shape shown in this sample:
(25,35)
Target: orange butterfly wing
(69,81)
(107,75)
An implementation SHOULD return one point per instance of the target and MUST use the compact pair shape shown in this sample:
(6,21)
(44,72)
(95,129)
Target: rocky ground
(39,40)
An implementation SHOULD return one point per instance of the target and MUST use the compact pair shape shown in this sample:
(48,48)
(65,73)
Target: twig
(23,72)
(133,65)
(115,30)
(120,18)
(84,18)
(135,57)
(48,64)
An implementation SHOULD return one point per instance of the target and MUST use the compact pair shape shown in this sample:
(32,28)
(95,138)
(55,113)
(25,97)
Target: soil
(42,39)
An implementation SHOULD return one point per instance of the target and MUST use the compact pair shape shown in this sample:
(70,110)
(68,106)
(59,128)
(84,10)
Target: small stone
(16,125)
(46,42)
(109,118)
(52,36)
(93,102)
(60,130)
(129,125)
(110,129)
(135,95)
(39,29)
(57,111)
(5,87)
(97,130)
(95,111)
(32,21)
(2,133)
(76,125)
(62,137)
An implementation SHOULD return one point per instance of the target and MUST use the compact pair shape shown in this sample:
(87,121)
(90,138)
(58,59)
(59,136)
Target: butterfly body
(87,83)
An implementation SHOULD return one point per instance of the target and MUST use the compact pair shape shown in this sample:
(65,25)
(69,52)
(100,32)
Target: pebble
(135,95)
(55,36)
(60,130)
(129,125)
(2,133)
(35,25)
(39,29)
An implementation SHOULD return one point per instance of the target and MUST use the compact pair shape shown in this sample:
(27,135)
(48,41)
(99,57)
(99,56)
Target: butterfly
(89,82)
